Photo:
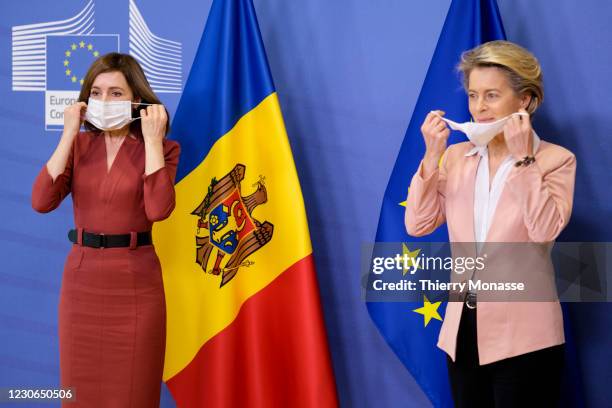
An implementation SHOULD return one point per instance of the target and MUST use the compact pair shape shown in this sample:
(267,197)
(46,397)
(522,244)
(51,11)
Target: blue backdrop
(348,74)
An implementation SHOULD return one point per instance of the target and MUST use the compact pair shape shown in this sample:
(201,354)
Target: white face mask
(481,134)
(109,115)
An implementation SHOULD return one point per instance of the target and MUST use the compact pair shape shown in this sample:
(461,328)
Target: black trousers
(528,380)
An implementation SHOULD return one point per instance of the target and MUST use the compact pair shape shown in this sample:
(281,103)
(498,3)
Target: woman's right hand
(73,117)
(435,134)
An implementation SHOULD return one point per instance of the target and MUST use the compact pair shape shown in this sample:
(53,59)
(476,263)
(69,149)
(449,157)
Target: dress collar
(131,138)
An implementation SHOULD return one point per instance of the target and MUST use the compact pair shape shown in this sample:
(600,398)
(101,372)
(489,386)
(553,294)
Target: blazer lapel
(463,241)
(469,177)
(504,201)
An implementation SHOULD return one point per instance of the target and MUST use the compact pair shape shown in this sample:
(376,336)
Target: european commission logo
(53,57)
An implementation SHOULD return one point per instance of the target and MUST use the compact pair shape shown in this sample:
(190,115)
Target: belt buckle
(98,241)
(470,300)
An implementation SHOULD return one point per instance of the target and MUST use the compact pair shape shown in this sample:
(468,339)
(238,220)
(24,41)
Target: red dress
(112,318)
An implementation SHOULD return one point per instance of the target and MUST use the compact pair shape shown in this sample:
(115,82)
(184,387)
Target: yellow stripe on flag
(197,308)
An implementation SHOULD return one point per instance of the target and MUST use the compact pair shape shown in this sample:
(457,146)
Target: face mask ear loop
(135,110)
(140,103)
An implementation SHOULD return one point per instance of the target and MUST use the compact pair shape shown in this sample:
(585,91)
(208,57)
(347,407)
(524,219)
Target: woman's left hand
(517,133)
(154,120)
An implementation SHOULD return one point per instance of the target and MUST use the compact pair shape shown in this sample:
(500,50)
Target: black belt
(110,241)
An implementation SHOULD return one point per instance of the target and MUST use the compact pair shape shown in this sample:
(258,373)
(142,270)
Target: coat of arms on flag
(232,230)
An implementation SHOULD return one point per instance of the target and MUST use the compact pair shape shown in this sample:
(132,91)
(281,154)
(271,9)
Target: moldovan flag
(244,321)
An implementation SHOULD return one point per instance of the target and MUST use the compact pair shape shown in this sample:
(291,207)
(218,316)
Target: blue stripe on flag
(222,86)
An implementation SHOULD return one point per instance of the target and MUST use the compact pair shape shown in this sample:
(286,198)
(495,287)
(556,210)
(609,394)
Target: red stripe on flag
(274,354)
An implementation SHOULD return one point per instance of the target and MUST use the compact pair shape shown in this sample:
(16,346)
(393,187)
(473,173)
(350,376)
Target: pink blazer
(535,206)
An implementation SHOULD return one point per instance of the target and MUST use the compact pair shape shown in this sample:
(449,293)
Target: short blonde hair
(521,67)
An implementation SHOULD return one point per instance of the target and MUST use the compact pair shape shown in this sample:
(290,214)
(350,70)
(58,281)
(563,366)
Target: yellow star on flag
(68,53)
(89,47)
(82,44)
(403,203)
(429,311)
(66,63)
(73,79)
(81,81)
(68,72)
(96,53)
(411,256)
(73,46)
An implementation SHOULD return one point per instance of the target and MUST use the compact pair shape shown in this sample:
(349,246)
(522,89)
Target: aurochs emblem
(233,233)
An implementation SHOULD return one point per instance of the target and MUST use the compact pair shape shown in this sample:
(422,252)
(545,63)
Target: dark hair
(135,78)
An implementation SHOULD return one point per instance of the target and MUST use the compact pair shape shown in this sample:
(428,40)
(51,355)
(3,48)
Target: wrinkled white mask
(110,115)
(480,134)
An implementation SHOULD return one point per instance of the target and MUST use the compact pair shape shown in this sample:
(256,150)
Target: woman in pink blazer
(516,188)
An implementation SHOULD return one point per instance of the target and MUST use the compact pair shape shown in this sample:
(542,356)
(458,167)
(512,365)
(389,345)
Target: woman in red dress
(120,173)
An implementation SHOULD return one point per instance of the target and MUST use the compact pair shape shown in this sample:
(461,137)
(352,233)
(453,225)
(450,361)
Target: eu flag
(413,335)
(69,58)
